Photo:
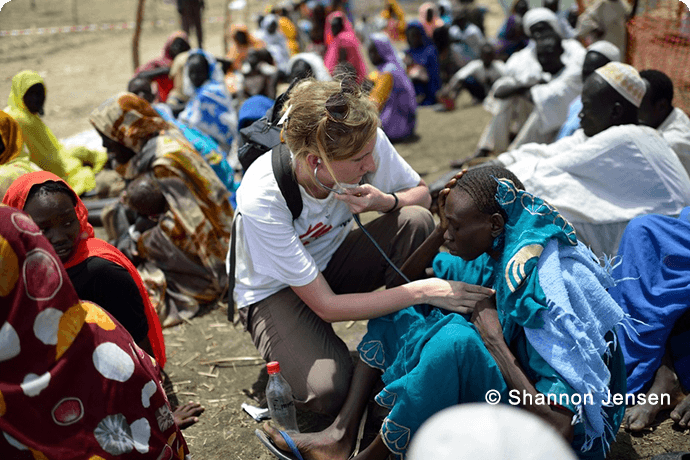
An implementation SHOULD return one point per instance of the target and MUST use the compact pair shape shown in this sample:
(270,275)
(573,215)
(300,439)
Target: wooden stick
(226,27)
(137,33)
(247,360)
(189,360)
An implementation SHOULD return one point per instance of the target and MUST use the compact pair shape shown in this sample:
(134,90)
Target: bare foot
(681,414)
(325,445)
(641,416)
(187,414)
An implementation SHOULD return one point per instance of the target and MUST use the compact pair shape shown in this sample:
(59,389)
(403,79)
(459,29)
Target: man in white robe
(610,170)
(605,20)
(530,97)
(598,55)
(658,112)
(466,37)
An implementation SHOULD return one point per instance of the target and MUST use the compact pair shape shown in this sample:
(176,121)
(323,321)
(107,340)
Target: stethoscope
(359,224)
(321,184)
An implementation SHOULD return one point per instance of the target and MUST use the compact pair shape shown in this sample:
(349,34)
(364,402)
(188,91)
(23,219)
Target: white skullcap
(607,49)
(536,15)
(625,79)
(479,431)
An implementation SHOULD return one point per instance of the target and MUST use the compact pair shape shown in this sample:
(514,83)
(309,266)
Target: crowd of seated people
(565,270)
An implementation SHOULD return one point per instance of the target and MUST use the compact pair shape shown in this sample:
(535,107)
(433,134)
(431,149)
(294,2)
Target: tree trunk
(226,28)
(137,33)
(75,12)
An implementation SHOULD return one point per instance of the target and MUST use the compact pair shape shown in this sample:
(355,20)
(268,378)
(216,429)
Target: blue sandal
(280,454)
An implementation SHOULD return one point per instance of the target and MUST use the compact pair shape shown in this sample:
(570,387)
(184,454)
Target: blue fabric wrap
(653,286)
(210,109)
(572,123)
(209,150)
(254,108)
(572,336)
(426,56)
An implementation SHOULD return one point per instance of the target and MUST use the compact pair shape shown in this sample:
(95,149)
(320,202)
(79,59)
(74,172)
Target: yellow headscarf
(14,161)
(399,13)
(11,138)
(45,149)
(43,146)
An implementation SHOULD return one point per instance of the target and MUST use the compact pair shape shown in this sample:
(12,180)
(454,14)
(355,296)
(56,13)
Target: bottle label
(282,405)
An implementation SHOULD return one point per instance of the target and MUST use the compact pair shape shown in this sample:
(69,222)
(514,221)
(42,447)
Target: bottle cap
(273,367)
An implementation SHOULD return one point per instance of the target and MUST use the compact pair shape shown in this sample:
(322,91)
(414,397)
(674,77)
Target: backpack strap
(231,270)
(282,170)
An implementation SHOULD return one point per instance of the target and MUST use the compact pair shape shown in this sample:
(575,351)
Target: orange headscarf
(90,246)
(238,53)
(11,136)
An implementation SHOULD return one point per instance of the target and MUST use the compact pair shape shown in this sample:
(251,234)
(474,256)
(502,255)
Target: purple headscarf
(398,117)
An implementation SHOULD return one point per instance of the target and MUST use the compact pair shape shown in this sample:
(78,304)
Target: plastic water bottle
(281,405)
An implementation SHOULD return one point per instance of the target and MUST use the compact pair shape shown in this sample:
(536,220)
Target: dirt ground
(209,360)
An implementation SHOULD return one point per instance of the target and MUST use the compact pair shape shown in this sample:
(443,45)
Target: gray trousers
(313,359)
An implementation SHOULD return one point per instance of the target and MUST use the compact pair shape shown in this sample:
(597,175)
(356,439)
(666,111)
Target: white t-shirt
(273,251)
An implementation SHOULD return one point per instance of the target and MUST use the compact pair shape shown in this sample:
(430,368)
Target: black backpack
(262,135)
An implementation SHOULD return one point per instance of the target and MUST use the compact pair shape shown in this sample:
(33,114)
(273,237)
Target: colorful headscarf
(127,119)
(555,288)
(287,27)
(192,237)
(238,53)
(276,43)
(11,138)
(399,13)
(398,116)
(429,26)
(166,59)
(73,384)
(210,109)
(76,165)
(346,39)
(90,246)
(164,82)
(42,144)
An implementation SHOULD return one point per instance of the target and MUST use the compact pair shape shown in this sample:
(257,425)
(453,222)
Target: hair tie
(284,118)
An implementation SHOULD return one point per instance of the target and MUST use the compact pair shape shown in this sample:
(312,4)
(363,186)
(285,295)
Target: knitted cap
(607,49)
(625,79)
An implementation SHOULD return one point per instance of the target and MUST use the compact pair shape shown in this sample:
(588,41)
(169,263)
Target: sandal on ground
(280,454)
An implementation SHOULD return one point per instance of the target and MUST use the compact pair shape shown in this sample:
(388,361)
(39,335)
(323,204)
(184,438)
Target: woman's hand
(366,198)
(443,195)
(454,296)
(485,318)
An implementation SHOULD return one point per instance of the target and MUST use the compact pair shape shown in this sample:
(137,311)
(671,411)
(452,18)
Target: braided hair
(480,184)
(49,188)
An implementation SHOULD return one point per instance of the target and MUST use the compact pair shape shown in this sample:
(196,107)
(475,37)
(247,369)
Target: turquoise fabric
(431,360)
(530,224)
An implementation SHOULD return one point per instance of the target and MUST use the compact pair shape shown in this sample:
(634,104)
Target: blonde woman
(295,277)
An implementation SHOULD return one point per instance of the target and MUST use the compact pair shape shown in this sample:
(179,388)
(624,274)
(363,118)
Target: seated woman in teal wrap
(546,341)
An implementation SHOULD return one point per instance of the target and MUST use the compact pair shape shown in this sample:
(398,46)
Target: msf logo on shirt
(314,232)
